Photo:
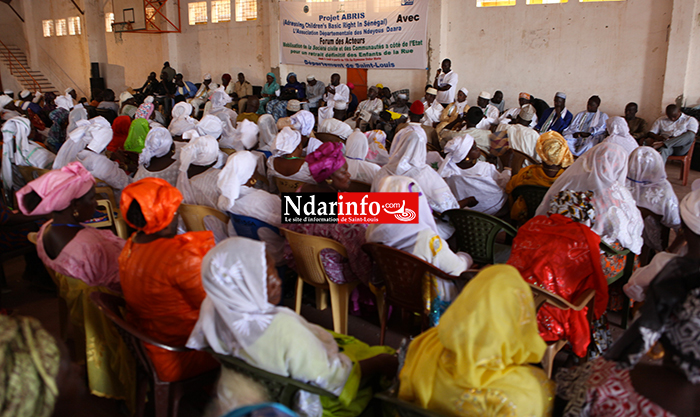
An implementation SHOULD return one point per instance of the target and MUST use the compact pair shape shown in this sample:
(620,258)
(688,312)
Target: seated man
(555,118)
(520,136)
(511,114)
(587,129)
(202,95)
(314,92)
(433,109)
(490,111)
(637,125)
(454,110)
(108,101)
(674,133)
(497,101)
(367,111)
(239,92)
(400,108)
(184,88)
(251,110)
(471,120)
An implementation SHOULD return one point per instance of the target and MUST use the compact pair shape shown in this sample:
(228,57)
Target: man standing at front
(446,83)
(674,133)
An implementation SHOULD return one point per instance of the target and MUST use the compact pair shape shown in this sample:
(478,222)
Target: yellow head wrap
(554,150)
(29,363)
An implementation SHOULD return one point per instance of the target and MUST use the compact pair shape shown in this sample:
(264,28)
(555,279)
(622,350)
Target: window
(546,1)
(109,19)
(246,10)
(48,28)
(221,11)
(74,26)
(591,1)
(61,28)
(493,3)
(198,13)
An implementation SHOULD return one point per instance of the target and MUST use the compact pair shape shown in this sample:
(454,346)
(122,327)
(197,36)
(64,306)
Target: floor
(23,299)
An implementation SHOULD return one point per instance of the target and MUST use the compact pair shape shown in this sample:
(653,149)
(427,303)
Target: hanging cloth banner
(372,34)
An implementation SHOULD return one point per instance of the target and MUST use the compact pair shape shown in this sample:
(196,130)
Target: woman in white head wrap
(646,180)
(603,170)
(268,132)
(182,121)
(421,240)
(377,152)
(158,159)
(64,101)
(78,113)
(19,150)
(244,137)
(303,121)
(408,159)
(239,317)
(287,162)
(468,177)
(240,197)
(336,127)
(200,163)
(95,138)
(619,133)
(211,126)
(219,99)
(356,150)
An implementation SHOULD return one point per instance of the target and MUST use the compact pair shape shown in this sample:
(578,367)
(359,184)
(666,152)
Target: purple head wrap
(327,159)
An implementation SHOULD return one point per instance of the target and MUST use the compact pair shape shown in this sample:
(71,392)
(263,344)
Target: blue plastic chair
(248,226)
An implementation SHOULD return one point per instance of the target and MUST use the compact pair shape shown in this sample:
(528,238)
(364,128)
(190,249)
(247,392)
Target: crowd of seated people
(235,149)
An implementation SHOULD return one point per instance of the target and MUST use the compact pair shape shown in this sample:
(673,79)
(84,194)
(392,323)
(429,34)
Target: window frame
(215,5)
(51,27)
(193,21)
(61,24)
(241,9)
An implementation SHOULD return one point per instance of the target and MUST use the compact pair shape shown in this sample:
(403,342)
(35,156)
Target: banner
(372,34)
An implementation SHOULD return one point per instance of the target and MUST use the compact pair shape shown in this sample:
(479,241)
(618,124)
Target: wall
(692,81)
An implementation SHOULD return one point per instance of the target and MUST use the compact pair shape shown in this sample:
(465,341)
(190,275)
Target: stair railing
(17,69)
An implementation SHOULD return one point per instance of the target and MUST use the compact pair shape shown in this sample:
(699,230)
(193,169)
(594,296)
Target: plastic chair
(328,137)
(167,394)
(623,276)
(476,233)
(403,276)
(359,187)
(279,388)
(31,173)
(248,226)
(685,163)
(532,195)
(307,255)
(193,216)
(108,114)
(542,296)
(518,160)
(287,186)
(227,151)
(119,223)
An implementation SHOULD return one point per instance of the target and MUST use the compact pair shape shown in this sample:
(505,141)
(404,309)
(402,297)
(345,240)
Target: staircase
(15,59)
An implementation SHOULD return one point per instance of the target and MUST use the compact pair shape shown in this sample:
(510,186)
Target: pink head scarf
(327,159)
(144,111)
(57,189)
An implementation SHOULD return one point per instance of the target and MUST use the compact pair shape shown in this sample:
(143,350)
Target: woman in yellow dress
(476,362)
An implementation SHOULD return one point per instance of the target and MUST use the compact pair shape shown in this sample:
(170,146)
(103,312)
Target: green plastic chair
(623,276)
(280,389)
(532,195)
(476,233)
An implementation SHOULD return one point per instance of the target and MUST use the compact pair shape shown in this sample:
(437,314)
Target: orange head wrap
(158,199)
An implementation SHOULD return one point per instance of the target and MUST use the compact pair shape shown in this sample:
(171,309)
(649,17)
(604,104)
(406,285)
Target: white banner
(373,34)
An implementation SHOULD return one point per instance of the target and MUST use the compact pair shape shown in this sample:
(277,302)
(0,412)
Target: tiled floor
(24,300)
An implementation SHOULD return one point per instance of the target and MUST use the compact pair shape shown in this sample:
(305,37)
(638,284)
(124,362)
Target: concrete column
(679,41)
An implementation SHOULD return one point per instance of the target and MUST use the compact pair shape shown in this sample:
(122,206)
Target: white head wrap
(456,150)
(5,100)
(8,92)
(64,102)
(407,153)
(310,77)
(219,98)
(248,133)
(201,151)
(148,100)
(158,143)
(303,121)
(125,96)
(287,141)
(37,97)
(619,132)
(68,90)
(15,135)
(485,94)
(335,127)
(100,132)
(182,122)
(236,311)
(239,167)
(603,170)
(25,94)
(207,76)
(78,113)
(210,125)
(646,180)
(190,134)
(357,146)
(268,132)
(97,130)
(690,210)
(465,91)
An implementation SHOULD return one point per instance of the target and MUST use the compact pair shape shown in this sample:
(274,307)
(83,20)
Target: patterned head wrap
(57,189)
(327,159)
(29,364)
(146,109)
(57,133)
(575,205)
(158,199)
(554,150)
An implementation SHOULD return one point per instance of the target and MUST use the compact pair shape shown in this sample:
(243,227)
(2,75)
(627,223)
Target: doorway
(358,77)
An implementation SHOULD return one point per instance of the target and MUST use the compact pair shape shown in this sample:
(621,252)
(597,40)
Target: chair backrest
(106,191)
(248,226)
(532,195)
(359,187)
(111,306)
(108,209)
(328,137)
(542,296)
(287,186)
(108,114)
(193,216)
(403,275)
(518,160)
(686,157)
(31,173)
(227,151)
(307,255)
(476,233)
